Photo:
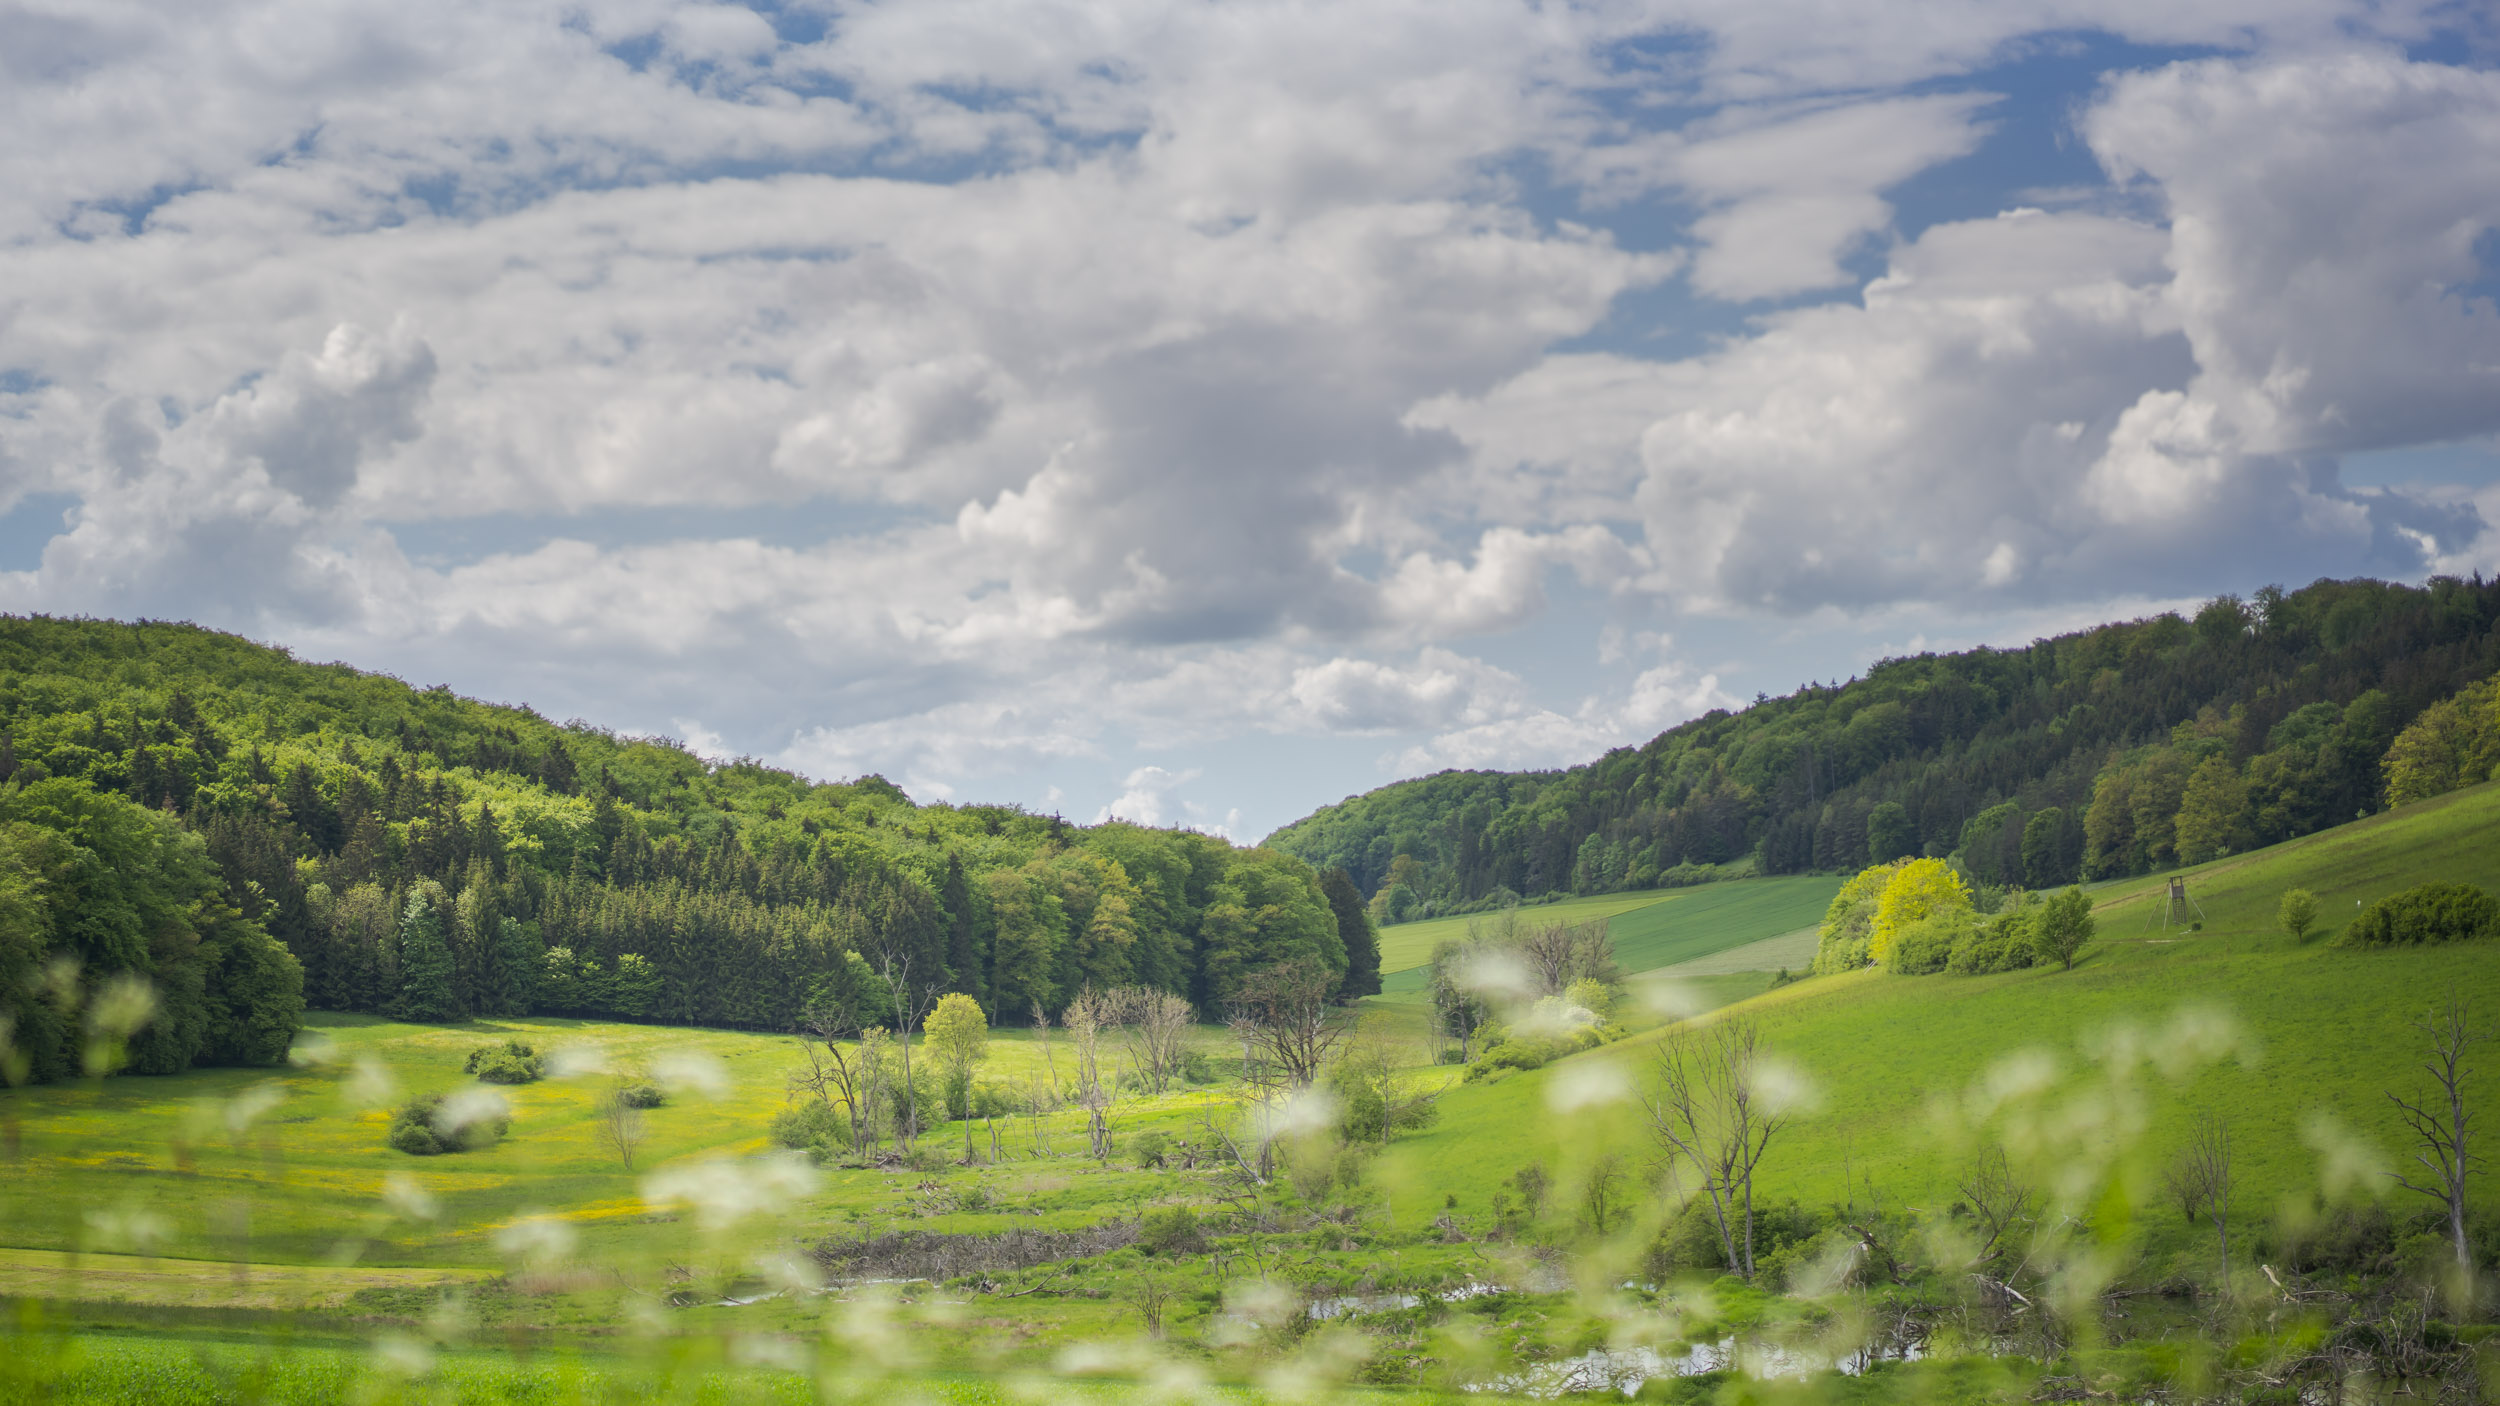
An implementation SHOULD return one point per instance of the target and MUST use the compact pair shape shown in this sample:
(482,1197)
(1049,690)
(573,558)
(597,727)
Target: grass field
(2296,1044)
(1660,928)
(264,1205)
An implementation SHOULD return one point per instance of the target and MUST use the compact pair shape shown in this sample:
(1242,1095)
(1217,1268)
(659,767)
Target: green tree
(2213,813)
(2298,913)
(958,1034)
(1354,929)
(2048,849)
(1890,833)
(2061,928)
(426,974)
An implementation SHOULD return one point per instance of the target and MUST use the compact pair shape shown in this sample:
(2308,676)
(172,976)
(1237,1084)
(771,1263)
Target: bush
(2001,945)
(813,1128)
(641,1095)
(1926,945)
(1147,1149)
(508,1063)
(421,1129)
(2430,913)
(1172,1230)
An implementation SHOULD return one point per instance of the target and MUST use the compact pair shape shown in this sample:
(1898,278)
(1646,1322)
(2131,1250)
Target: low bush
(1924,947)
(813,1128)
(511,1062)
(431,1124)
(2436,912)
(1172,1230)
(1147,1150)
(2002,944)
(641,1095)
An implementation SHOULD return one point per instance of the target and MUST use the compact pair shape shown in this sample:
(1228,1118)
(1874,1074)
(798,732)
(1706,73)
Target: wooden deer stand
(2177,909)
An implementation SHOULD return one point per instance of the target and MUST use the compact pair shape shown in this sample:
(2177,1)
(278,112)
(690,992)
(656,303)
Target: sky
(1199,412)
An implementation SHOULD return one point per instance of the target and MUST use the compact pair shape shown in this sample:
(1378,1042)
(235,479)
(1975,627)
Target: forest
(2112,751)
(216,836)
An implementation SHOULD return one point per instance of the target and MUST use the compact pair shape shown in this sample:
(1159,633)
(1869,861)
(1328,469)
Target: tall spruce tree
(963,954)
(1354,928)
(426,974)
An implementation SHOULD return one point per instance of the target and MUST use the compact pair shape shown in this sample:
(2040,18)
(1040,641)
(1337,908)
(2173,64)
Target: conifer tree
(426,974)
(963,955)
(1354,927)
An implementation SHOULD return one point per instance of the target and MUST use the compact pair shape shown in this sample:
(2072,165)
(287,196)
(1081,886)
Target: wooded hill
(169,794)
(2111,751)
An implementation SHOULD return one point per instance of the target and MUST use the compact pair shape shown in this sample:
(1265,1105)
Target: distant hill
(2111,751)
(433,857)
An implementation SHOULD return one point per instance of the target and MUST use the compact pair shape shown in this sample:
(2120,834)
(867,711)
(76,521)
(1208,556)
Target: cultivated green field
(1659,928)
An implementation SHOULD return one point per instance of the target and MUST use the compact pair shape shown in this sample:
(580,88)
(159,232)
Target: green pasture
(2296,1045)
(1407,945)
(1659,928)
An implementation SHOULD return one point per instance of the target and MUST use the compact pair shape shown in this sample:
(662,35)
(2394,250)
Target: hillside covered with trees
(2111,751)
(246,833)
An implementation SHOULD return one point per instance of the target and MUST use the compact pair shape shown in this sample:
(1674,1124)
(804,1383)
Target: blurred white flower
(314,1049)
(1587,1084)
(537,1240)
(575,1061)
(464,1107)
(246,1108)
(691,1072)
(1782,1087)
(408,1198)
(369,1084)
(724,1192)
(128,1229)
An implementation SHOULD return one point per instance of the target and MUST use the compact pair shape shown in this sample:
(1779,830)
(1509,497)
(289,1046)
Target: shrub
(1147,1149)
(813,1128)
(424,1127)
(1927,944)
(511,1062)
(1173,1230)
(641,1095)
(2002,945)
(2431,913)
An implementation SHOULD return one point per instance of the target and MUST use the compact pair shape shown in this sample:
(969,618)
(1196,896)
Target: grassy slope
(1408,945)
(2325,1032)
(1660,928)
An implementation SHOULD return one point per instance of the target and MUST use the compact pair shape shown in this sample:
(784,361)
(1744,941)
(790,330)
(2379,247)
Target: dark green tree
(426,974)
(1354,928)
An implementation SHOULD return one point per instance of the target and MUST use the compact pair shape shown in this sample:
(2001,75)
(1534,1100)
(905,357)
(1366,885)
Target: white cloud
(1193,366)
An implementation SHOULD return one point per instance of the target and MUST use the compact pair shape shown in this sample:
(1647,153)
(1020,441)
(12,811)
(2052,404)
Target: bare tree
(1558,954)
(1459,1010)
(1998,1201)
(1152,1292)
(618,1125)
(1085,1017)
(1050,1060)
(2439,1122)
(833,1077)
(1154,1025)
(2200,1182)
(1707,1114)
(1282,1013)
(911,1006)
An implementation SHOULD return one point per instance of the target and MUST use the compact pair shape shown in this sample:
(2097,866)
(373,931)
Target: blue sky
(1200,412)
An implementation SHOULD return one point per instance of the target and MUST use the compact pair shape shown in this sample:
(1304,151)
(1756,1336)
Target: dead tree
(911,1006)
(2439,1122)
(2200,1183)
(1998,1202)
(1558,954)
(618,1125)
(1708,1115)
(835,1078)
(1085,1018)
(1154,1025)
(1282,1013)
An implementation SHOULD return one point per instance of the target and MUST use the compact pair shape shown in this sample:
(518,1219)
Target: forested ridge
(173,799)
(2114,750)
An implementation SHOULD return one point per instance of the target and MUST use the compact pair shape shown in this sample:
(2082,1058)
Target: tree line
(404,851)
(2109,751)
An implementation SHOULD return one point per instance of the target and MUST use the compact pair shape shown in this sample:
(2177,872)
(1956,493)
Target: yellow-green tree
(1917,891)
(2213,816)
(2456,742)
(959,1035)
(1850,918)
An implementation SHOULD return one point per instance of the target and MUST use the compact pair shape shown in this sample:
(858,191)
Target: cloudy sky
(1200,411)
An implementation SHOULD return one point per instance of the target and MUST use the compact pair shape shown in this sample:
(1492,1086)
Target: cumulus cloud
(1194,370)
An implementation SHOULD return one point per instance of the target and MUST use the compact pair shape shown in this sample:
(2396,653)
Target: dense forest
(247,834)
(2111,751)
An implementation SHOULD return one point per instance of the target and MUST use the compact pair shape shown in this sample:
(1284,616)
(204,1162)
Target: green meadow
(184,1225)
